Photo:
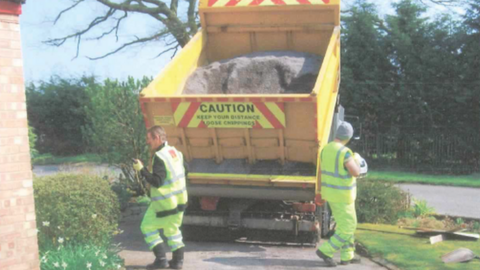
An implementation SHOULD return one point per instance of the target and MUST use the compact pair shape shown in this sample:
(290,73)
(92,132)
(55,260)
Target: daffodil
(56,264)
(60,240)
(46,223)
(94,216)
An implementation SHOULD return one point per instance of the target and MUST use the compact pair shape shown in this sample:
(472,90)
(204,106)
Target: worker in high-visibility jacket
(168,195)
(339,169)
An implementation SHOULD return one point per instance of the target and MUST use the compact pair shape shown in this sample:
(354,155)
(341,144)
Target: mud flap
(327,222)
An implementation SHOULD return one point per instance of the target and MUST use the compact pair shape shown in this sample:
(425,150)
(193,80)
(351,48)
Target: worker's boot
(177,259)
(160,258)
(329,261)
(352,261)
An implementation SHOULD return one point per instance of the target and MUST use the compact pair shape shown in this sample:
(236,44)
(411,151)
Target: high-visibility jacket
(337,183)
(172,195)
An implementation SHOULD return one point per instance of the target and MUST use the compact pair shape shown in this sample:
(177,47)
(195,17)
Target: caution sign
(242,3)
(163,120)
(229,114)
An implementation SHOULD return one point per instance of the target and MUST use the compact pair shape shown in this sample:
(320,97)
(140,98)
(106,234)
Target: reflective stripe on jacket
(337,183)
(173,192)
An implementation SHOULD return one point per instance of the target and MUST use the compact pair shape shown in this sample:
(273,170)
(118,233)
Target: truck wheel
(327,221)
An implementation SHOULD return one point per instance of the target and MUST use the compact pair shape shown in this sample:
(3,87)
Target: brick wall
(18,239)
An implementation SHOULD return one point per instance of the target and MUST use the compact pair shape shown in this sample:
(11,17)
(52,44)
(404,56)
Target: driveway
(226,255)
(44,170)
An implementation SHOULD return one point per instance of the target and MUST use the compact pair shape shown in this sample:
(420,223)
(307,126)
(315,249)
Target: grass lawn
(406,251)
(48,159)
(403,177)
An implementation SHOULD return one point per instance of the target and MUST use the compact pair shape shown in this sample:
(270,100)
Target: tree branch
(172,21)
(128,6)
(60,41)
(137,41)
(116,28)
(171,43)
(154,2)
(167,50)
(444,2)
(381,25)
(157,9)
(78,46)
(192,24)
(66,10)
(174,6)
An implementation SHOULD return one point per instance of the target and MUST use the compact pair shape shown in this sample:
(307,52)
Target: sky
(41,61)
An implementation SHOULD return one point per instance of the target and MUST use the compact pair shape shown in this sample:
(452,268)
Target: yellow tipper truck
(254,158)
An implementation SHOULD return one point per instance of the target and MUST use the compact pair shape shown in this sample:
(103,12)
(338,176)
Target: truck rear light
(209,203)
(318,200)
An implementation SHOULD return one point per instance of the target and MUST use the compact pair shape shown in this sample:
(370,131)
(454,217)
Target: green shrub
(115,128)
(380,202)
(123,194)
(78,208)
(418,210)
(32,140)
(80,257)
(56,109)
(476,226)
(143,200)
(421,209)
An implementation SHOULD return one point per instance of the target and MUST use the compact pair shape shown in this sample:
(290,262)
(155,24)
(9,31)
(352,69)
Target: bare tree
(172,27)
(174,31)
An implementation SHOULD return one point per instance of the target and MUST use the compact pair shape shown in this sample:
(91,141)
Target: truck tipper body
(254,159)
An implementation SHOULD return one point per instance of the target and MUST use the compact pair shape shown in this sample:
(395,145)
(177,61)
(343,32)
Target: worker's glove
(137,165)
(362,164)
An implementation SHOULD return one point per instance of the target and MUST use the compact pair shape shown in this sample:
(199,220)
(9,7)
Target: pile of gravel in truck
(278,72)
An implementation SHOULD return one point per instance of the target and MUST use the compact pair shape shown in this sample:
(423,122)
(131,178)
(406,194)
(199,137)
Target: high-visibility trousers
(343,240)
(153,228)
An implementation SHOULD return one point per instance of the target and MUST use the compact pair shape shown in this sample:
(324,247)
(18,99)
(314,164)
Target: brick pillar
(18,238)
